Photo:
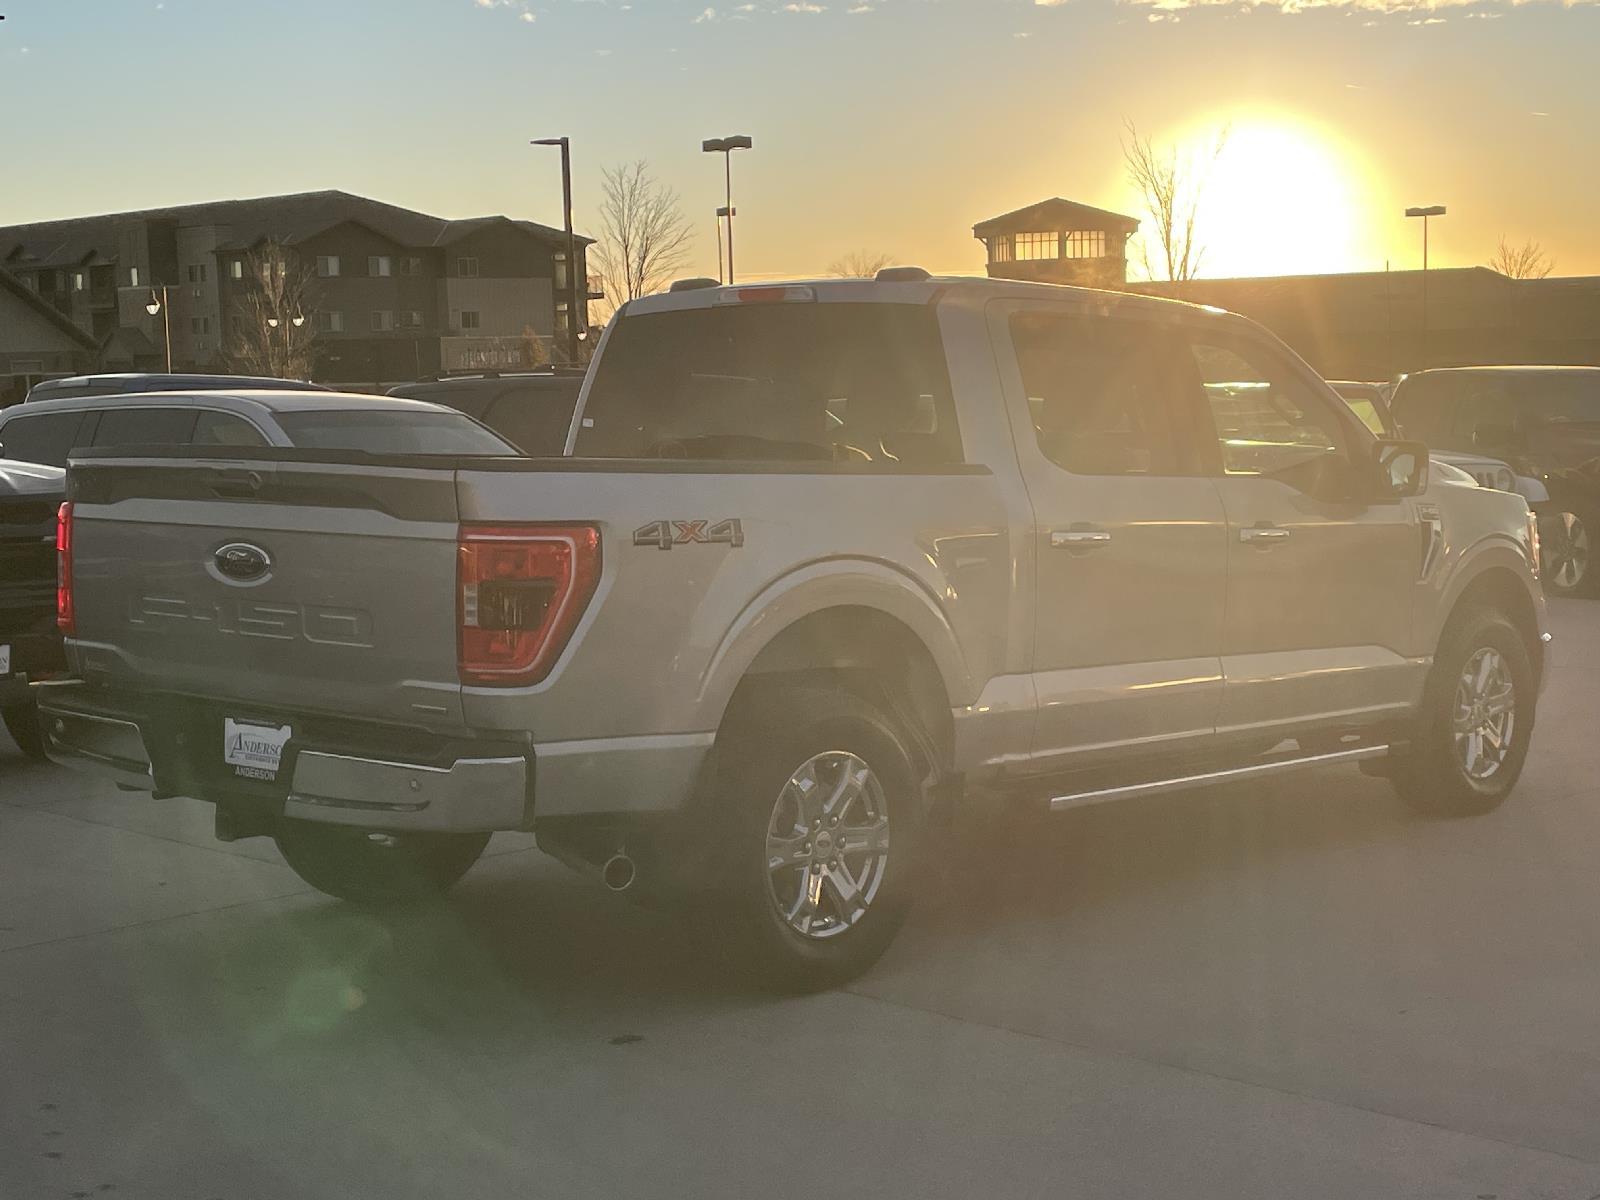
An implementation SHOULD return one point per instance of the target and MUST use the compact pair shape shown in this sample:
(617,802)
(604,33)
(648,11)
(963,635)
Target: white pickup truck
(822,561)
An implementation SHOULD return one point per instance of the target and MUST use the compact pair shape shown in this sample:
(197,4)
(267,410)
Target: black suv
(30,644)
(1544,422)
(530,409)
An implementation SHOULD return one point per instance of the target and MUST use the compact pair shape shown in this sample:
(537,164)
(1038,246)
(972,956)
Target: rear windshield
(384,431)
(862,383)
(1458,402)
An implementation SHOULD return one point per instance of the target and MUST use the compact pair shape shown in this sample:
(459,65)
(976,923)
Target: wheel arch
(1499,584)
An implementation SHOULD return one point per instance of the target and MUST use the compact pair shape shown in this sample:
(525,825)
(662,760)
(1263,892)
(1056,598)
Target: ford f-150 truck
(822,562)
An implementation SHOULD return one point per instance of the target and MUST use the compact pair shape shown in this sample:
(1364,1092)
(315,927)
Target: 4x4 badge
(664,535)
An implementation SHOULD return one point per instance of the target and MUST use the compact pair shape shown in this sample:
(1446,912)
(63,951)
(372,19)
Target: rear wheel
(1477,719)
(821,807)
(370,867)
(22,723)
(1565,548)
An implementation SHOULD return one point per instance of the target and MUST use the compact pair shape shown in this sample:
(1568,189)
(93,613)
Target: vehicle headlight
(1504,480)
(1533,542)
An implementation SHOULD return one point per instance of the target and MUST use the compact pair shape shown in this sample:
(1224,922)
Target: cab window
(47,438)
(212,428)
(145,427)
(1266,418)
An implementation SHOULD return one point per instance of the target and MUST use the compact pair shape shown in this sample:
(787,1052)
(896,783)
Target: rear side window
(1422,408)
(224,429)
(385,431)
(863,383)
(536,420)
(144,427)
(46,438)
(1103,394)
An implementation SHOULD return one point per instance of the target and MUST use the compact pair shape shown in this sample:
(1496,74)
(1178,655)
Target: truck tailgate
(316,586)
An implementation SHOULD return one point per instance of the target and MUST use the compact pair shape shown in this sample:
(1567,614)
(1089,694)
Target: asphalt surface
(1293,989)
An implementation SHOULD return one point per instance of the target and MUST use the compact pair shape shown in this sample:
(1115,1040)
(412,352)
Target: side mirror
(1402,469)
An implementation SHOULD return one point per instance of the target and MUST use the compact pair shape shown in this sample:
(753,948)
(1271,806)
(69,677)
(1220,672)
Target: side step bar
(1180,782)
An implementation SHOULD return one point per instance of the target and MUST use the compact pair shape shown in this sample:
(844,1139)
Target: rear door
(1129,536)
(1319,585)
(295,586)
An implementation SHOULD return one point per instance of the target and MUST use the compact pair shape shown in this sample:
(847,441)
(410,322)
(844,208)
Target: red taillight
(522,590)
(66,617)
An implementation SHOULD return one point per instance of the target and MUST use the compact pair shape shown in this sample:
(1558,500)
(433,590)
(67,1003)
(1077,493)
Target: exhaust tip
(618,873)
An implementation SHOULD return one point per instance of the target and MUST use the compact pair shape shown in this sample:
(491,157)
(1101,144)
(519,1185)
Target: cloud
(859,9)
(709,14)
(529,17)
(1423,10)
(804,6)
(1022,35)
(1049,3)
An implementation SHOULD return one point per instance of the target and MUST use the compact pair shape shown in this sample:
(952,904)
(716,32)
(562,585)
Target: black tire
(761,751)
(377,869)
(1567,533)
(1433,775)
(22,723)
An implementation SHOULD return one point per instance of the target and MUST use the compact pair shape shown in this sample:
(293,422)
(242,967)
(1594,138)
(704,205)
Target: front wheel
(821,807)
(1477,719)
(369,867)
(1564,548)
(22,723)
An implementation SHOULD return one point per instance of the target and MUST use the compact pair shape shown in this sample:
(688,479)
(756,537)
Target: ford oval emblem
(242,561)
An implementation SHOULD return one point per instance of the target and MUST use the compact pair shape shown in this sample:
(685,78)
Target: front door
(1129,536)
(1318,626)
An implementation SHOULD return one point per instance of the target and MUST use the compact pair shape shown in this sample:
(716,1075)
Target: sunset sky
(887,125)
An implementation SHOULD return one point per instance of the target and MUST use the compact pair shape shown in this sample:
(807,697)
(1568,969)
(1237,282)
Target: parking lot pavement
(1296,989)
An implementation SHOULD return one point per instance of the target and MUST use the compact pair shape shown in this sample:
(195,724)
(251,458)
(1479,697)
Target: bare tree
(1171,187)
(1527,261)
(275,293)
(644,238)
(860,264)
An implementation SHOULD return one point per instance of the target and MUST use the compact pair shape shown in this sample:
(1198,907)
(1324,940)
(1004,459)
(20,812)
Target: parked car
(828,559)
(48,431)
(1545,423)
(30,643)
(530,409)
(1370,402)
(132,383)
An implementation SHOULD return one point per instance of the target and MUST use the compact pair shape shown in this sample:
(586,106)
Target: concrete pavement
(1295,989)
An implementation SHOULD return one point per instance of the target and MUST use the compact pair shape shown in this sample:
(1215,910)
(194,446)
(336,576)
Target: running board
(1179,783)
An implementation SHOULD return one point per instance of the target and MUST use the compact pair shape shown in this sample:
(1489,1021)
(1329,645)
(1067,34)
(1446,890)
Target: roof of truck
(269,400)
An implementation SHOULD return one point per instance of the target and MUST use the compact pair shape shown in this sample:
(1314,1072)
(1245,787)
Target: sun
(1282,197)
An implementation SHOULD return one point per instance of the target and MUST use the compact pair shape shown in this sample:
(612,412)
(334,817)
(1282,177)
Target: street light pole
(572,243)
(1432,210)
(160,306)
(726,146)
(729,214)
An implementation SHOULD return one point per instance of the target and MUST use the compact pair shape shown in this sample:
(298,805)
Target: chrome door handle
(1078,539)
(1265,536)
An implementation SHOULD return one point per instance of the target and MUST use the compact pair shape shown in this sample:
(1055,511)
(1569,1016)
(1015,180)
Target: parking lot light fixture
(725,146)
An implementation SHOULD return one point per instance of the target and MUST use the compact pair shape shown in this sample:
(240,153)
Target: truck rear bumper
(372,777)
(453,792)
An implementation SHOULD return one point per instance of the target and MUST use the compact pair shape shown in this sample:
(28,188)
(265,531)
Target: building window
(412,319)
(1000,248)
(382,320)
(470,319)
(236,269)
(467,268)
(327,266)
(133,276)
(1085,243)
(561,273)
(1034,246)
(411,265)
(380,265)
(197,293)
(77,281)
(199,324)
(197,273)
(330,322)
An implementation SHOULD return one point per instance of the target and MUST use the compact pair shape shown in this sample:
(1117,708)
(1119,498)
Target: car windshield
(384,431)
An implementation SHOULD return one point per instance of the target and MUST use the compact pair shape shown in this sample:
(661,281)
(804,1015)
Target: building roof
(10,284)
(1055,213)
(291,218)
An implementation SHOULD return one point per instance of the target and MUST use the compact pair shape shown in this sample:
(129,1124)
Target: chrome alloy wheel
(1564,542)
(827,844)
(1485,715)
